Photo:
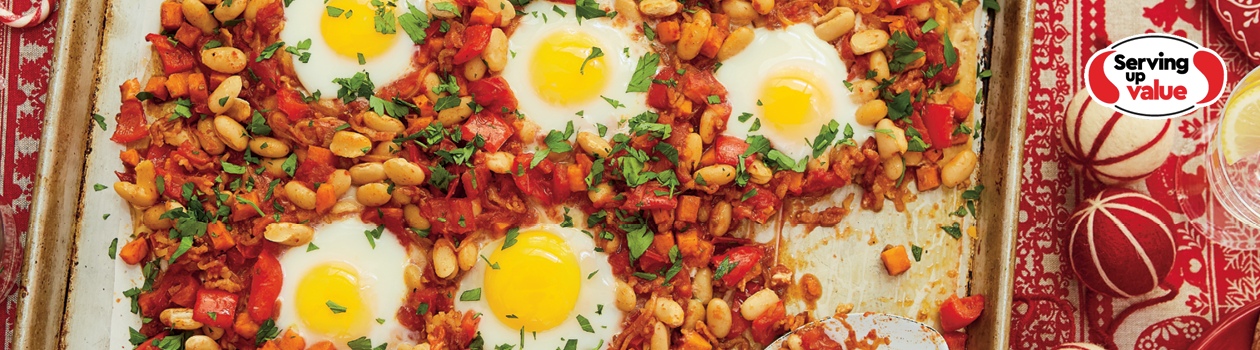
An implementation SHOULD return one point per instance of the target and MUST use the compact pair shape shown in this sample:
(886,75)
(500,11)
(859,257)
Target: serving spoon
(871,330)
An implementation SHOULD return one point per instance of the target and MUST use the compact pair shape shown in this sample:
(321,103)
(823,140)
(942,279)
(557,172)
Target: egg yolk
(355,35)
(794,103)
(561,73)
(322,294)
(537,283)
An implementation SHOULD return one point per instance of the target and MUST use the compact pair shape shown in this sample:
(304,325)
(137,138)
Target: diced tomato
(196,156)
(290,102)
(270,17)
(492,129)
(940,124)
(698,84)
(933,47)
(151,343)
(268,72)
(392,219)
(533,181)
(475,39)
(759,205)
(449,216)
(649,197)
(957,313)
(955,340)
(264,287)
(215,308)
(652,260)
(493,94)
(560,183)
(131,124)
(658,94)
(174,59)
(821,181)
(765,328)
(316,167)
(737,262)
(896,4)
(730,150)
(738,323)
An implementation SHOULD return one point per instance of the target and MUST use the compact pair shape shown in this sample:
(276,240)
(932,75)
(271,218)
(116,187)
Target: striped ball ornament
(1112,148)
(1121,243)
(1078,346)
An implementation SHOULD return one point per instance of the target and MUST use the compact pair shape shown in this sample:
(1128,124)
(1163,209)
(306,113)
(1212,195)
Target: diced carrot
(129,89)
(243,209)
(187,35)
(320,155)
(720,20)
(219,235)
(323,345)
(245,325)
(688,208)
(172,15)
(270,345)
(662,242)
(197,89)
(291,341)
(962,104)
(157,86)
(177,85)
(577,180)
(134,251)
(713,42)
(667,32)
(689,244)
(927,178)
(129,157)
(216,78)
(694,341)
(325,197)
(895,260)
(481,15)
(708,158)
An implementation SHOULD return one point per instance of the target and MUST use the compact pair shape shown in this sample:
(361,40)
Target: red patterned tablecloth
(1051,308)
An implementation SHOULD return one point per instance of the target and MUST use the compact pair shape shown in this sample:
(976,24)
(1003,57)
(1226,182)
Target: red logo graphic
(1156,76)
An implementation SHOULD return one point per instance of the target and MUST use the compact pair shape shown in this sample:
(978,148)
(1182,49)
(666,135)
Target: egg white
(540,20)
(380,272)
(598,289)
(302,21)
(795,47)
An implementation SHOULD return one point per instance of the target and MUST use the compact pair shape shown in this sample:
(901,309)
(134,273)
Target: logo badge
(1155,76)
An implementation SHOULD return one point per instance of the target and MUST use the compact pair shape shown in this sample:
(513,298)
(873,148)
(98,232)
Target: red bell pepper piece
(291,103)
(196,156)
(955,340)
(658,94)
(764,328)
(215,308)
(940,125)
(475,180)
(475,39)
(391,218)
(736,262)
(957,313)
(131,125)
(151,343)
(699,84)
(264,287)
(560,183)
(730,150)
(174,59)
(492,129)
(896,4)
(493,94)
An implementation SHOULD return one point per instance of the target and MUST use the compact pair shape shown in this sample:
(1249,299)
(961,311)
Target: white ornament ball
(1113,148)
(1078,346)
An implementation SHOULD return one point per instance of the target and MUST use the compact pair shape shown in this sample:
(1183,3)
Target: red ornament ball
(1113,148)
(1121,243)
(1078,346)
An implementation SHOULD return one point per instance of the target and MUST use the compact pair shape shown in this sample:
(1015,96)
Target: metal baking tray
(68,285)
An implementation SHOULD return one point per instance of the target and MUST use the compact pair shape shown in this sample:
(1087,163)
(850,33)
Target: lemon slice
(1240,125)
